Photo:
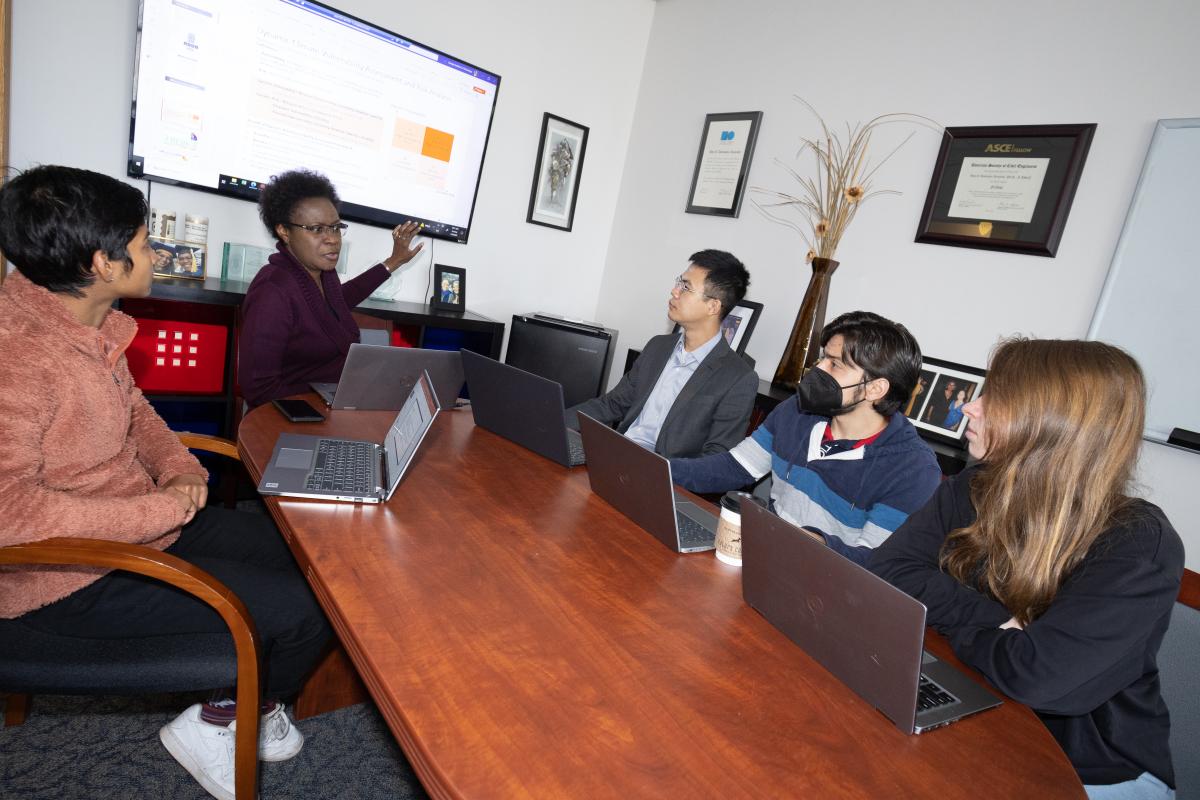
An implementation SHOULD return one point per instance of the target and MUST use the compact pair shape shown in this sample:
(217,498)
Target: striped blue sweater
(855,498)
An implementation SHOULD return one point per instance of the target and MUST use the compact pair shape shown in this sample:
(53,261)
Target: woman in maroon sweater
(85,455)
(296,323)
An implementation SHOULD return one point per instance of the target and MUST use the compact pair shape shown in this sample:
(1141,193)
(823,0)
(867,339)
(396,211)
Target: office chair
(1181,686)
(39,663)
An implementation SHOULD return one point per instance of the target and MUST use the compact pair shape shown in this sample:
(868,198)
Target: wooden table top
(524,639)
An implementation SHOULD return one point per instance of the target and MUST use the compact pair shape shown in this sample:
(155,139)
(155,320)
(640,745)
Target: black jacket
(1087,665)
(709,415)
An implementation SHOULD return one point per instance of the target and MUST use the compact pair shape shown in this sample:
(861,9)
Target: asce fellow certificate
(1002,190)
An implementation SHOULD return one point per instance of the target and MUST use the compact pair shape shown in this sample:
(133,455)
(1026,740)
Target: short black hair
(883,349)
(53,219)
(277,199)
(727,278)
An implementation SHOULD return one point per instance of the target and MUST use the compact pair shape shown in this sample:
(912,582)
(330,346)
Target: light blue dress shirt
(675,374)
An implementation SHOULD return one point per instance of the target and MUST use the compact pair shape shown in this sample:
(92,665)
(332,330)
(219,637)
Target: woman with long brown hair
(1042,570)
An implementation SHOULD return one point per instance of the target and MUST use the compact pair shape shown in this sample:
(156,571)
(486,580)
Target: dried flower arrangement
(843,182)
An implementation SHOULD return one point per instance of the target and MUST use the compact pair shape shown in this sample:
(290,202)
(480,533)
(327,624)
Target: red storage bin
(178,357)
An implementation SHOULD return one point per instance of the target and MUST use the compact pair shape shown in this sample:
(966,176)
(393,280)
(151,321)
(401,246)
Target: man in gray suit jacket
(688,394)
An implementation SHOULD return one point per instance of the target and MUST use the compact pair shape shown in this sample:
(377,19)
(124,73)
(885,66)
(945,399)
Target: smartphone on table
(298,411)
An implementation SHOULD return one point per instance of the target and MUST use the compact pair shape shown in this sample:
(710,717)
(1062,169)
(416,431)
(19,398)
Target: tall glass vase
(804,345)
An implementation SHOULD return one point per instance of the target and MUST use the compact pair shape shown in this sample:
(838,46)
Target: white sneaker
(278,738)
(204,750)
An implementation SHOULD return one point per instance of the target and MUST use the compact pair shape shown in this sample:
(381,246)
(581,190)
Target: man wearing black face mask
(845,462)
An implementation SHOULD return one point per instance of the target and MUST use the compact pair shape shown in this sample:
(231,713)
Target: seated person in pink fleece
(296,322)
(85,455)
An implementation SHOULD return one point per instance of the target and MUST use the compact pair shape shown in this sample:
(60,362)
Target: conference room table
(524,639)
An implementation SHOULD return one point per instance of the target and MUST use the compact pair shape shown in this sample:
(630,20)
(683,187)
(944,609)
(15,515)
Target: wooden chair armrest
(1189,589)
(211,444)
(195,581)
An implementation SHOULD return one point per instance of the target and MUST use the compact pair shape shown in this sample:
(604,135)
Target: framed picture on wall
(173,258)
(1007,187)
(449,288)
(723,162)
(556,176)
(935,406)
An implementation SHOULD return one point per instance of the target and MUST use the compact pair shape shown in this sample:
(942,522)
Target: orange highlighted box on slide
(437,144)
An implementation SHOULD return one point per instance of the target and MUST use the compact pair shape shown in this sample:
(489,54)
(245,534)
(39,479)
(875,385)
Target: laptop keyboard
(692,533)
(575,456)
(343,467)
(931,695)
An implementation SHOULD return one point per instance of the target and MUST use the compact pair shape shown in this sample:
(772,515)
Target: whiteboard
(1150,305)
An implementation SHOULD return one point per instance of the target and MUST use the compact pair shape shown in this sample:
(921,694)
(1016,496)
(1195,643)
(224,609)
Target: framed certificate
(726,147)
(1006,188)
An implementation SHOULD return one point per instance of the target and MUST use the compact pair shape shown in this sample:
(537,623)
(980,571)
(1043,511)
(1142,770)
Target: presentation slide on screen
(251,88)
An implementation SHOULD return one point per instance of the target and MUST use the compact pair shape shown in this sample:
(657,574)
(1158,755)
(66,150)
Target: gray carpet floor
(107,747)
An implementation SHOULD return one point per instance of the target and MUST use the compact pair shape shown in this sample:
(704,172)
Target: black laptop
(865,631)
(379,377)
(522,407)
(637,482)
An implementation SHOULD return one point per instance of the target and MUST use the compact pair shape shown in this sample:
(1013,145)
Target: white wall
(71,87)
(1120,65)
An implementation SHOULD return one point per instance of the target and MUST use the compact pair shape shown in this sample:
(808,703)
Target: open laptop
(355,471)
(865,631)
(522,407)
(379,377)
(637,482)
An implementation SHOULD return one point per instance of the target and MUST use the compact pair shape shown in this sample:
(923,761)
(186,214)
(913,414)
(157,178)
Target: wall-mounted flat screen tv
(228,93)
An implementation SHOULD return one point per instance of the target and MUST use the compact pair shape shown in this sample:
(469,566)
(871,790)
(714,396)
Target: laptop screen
(408,429)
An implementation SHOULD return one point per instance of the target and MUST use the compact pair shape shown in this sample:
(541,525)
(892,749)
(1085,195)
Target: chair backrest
(1180,676)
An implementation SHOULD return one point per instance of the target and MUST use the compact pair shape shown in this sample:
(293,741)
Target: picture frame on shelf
(557,173)
(175,258)
(1006,187)
(738,324)
(449,288)
(935,405)
(723,163)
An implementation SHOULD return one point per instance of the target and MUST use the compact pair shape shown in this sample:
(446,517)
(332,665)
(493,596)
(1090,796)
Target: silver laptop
(866,632)
(349,469)
(522,407)
(637,482)
(379,377)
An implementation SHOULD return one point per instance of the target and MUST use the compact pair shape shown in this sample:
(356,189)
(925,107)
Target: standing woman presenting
(296,322)
(1042,570)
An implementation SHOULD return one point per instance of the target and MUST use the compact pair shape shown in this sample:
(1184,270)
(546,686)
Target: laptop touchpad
(294,458)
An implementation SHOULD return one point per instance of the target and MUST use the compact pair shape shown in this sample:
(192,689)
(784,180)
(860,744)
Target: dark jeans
(242,550)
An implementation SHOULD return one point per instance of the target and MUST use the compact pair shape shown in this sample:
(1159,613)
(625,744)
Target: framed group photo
(556,175)
(936,403)
(173,258)
(723,163)
(449,288)
(1007,187)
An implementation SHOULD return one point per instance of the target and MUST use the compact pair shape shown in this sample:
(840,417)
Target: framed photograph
(177,259)
(738,325)
(1006,188)
(556,177)
(449,288)
(723,162)
(942,389)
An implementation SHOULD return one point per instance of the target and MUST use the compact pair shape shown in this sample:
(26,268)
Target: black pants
(242,550)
